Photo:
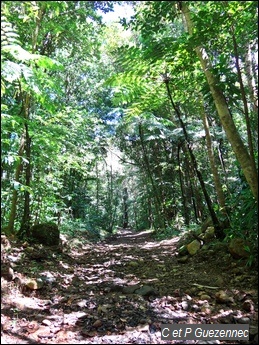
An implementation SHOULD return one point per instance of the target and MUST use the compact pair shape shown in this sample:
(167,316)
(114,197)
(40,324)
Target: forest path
(120,291)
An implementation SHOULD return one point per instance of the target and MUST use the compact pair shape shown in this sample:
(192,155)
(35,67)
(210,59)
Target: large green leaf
(11,71)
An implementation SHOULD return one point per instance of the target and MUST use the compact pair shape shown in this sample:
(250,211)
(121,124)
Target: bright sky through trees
(120,11)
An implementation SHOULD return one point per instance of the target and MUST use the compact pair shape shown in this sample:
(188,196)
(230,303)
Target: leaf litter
(120,291)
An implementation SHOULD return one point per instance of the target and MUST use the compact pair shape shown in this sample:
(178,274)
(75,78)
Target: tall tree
(39,94)
(245,159)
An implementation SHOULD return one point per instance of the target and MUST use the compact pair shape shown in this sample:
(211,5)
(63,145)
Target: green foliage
(74,228)
(253,255)
(9,35)
(244,220)
(243,215)
(166,233)
(79,86)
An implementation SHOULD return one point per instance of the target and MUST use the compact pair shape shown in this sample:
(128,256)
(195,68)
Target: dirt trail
(121,290)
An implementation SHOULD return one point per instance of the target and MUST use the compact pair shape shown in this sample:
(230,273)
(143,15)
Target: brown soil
(120,291)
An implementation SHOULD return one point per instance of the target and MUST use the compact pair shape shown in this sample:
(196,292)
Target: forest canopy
(148,122)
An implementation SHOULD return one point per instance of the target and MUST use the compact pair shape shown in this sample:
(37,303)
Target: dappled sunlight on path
(120,290)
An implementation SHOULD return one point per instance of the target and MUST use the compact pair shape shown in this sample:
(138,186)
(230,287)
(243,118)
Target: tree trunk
(110,198)
(18,170)
(185,208)
(227,122)
(251,81)
(125,209)
(245,103)
(25,225)
(213,166)
(218,229)
(135,214)
(157,199)
(197,214)
(97,188)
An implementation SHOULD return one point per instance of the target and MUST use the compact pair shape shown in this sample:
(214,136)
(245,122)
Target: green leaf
(11,71)
(19,53)
(46,62)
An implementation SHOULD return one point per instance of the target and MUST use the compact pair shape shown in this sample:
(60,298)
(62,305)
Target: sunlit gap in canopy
(119,12)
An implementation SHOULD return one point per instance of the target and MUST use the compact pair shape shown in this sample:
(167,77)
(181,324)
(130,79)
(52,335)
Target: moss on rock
(45,233)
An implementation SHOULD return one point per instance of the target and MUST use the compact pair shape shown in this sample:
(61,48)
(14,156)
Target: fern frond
(9,36)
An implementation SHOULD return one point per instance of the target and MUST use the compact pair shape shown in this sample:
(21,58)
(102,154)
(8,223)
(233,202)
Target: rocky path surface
(120,291)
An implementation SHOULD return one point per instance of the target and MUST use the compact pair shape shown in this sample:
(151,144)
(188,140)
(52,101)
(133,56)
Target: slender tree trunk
(190,181)
(252,86)
(135,216)
(150,214)
(125,208)
(213,166)
(25,224)
(193,200)
(245,103)
(251,79)
(157,200)
(26,105)
(185,209)
(110,199)
(198,200)
(242,155)
(38,210)
(218,229)
(10,227)
(97,188)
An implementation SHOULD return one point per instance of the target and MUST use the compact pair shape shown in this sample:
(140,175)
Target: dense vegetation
(170,96)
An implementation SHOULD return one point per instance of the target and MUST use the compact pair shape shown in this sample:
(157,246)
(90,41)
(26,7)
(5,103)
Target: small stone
(204,297)
(7,272)
(209,233)
(222,297)
(185,305)
(188,297)
(82,303)
(97,323)
(193,247)
(195,308)
(34,284)
(248,305)
(46,322)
